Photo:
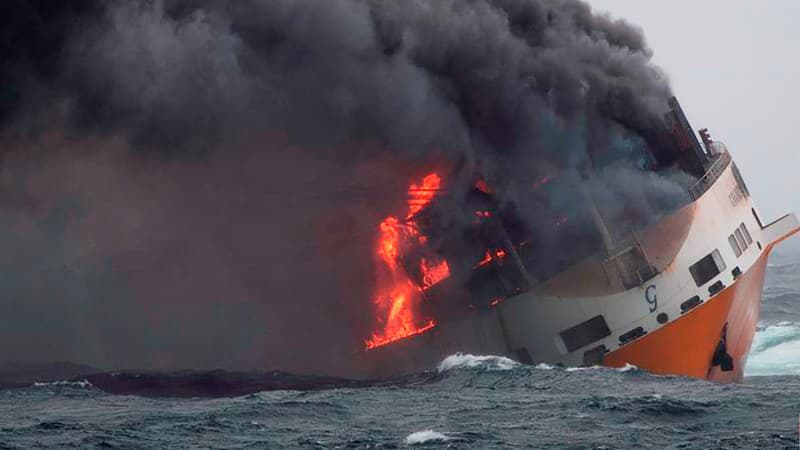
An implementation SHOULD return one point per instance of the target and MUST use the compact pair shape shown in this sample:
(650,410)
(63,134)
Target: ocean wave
(583,368)
(493,362)
(486,362)
(652,405)
(783,296)
(789,267)
(775,350)
(423,437)
(84,384)
(217,383)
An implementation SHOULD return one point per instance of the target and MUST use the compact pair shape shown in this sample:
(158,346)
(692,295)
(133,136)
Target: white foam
(421,437)
(467,361)
(627,368)
(581,369)
(81,384)
(545,366)
(775,351)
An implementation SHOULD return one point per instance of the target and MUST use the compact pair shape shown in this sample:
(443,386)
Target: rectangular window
(707,268)
(585,333)
(691,303)
(716,287)
(740,239)
(746,233)
(631,335)
(735,245)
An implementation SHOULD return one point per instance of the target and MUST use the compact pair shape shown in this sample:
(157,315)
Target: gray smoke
(196,183)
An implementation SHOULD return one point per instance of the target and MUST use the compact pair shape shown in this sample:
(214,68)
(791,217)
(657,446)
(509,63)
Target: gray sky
(734,66)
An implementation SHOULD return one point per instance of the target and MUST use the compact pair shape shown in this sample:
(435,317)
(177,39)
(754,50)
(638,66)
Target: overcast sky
(734,66)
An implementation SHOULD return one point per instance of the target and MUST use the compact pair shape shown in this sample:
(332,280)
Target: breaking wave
(467,361)
(461,361)
(426,436)
(85,384)
(545,366)
(775,350)
(628,368)
(582,368)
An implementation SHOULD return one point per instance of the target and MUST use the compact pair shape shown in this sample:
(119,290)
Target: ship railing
(721,161)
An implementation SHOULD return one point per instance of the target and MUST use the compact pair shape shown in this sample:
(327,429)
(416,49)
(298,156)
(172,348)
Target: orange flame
(397,300)
(432,275)
(420,196)
(499,254)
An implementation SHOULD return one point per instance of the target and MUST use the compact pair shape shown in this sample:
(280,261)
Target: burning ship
(675,294)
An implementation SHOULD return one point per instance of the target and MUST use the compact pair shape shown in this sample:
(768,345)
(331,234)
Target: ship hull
(687,346)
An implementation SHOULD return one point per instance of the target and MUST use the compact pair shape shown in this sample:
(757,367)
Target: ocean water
(468,401)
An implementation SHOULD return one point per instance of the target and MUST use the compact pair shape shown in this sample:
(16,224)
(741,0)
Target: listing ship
(679,296)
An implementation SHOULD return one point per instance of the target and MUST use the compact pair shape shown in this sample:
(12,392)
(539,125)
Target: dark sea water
(466,402)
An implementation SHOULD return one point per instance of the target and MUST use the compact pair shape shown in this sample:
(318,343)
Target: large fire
(397,299)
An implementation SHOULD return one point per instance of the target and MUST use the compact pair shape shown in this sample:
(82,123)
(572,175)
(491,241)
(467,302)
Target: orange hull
(687,345)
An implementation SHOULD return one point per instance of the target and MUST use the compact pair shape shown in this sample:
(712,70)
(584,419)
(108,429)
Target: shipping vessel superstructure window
(746,233)
(707,268)
(585,333)
(740,240)
(737,250)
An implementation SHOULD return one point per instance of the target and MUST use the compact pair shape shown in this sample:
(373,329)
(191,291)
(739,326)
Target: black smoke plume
(197,183)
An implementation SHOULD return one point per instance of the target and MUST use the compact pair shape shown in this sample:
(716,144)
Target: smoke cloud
(197,183)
